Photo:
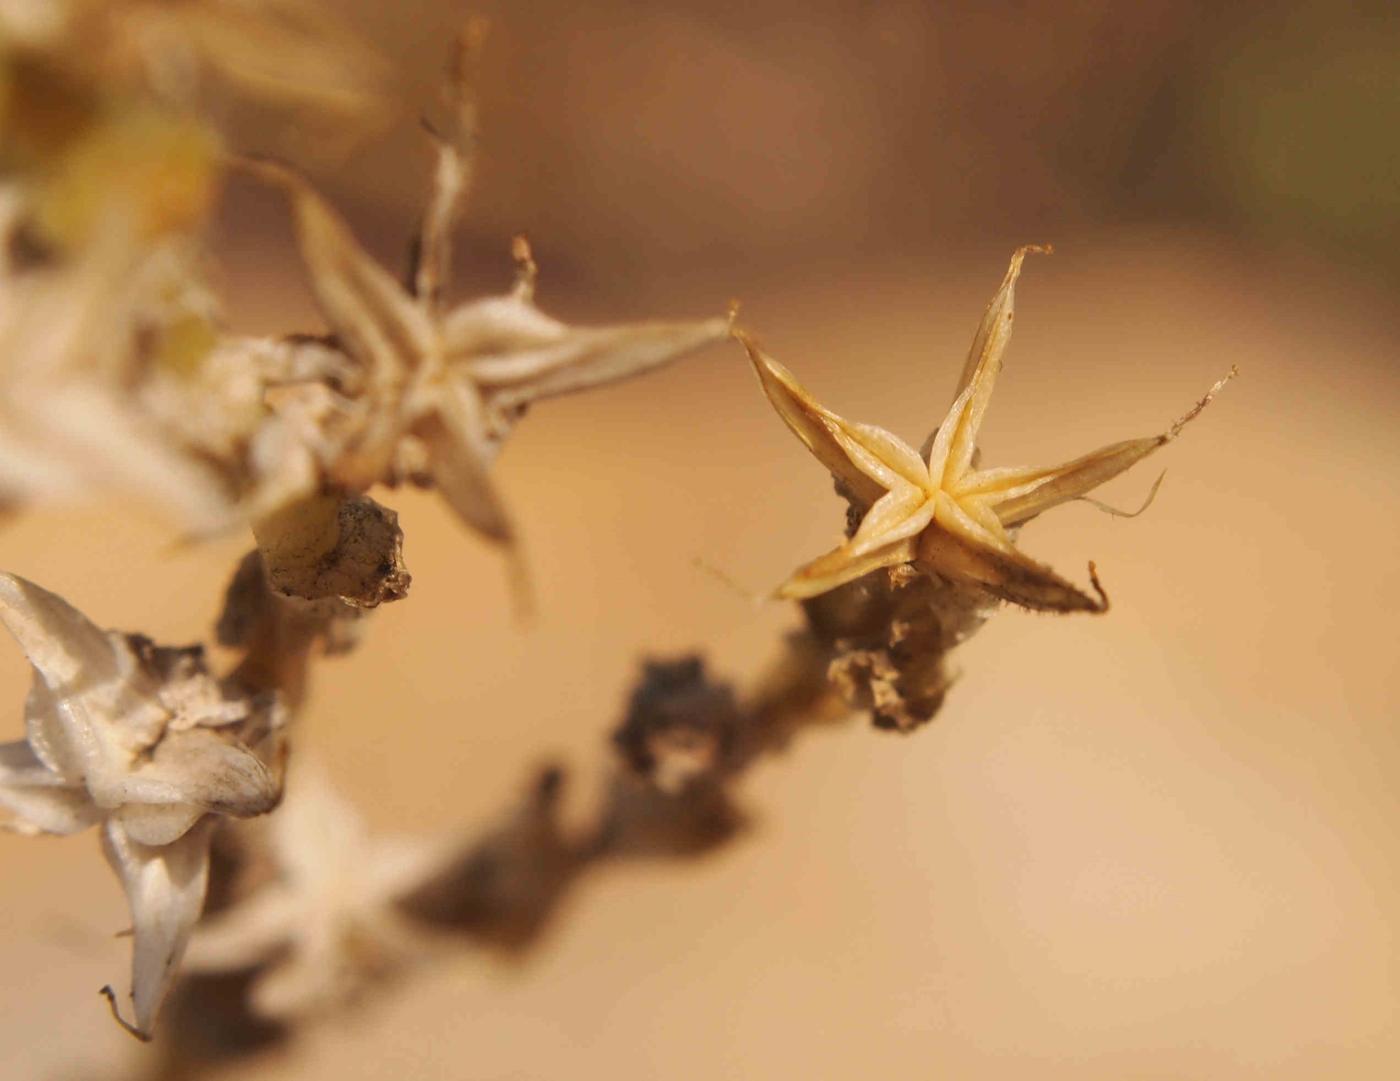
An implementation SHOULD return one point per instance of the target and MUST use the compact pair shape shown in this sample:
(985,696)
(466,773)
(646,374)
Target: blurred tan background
(1164,843)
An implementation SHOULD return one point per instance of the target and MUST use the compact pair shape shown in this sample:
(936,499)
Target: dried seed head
(941,512)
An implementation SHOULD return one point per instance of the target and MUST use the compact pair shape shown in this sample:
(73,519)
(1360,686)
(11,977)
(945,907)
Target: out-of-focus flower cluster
(111,364)
(117,374)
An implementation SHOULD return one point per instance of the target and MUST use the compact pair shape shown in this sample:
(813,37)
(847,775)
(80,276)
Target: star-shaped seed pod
(141,740)
(943,513)
(434,392)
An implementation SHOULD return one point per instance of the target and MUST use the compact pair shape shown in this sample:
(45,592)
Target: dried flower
(432,394)
(945,515)
(140,739)
(325,925)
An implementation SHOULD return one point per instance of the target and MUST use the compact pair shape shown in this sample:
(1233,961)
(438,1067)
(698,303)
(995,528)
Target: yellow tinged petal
(1039,490)
(889,459)
(983,365)
(1021,494)
(840,566)
(895,516)
(810,421)
(868,460)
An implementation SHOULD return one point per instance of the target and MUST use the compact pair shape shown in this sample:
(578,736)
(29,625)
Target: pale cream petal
(70,651)
(433,256)
(115,444)
(500,341)
(459,452)
(592,356)
(200,769)
(165,888)
(40,800)
(981,512)
(157,823)
(983,365)
(810,421)
(519,355)
(838,567)
(91,705)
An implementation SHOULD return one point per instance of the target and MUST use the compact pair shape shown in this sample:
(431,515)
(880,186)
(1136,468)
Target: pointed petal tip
(1019,256)
(55,636)
(1196,410)
(111,996)
(764,365)
(744,338)
(165,889)
(1103,603)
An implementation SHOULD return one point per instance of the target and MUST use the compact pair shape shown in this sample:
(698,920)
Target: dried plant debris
(429,394)
(329,546)
(141,740)
(279,634)
(890,636)
(501,889)
(341,910)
